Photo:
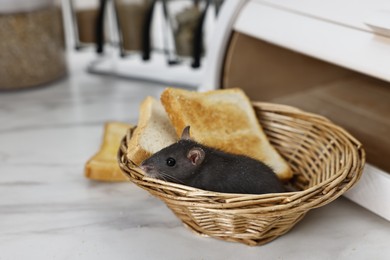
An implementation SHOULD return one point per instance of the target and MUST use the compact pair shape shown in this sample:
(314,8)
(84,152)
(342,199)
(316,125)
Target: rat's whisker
(169,177)
(175,180)
(161,177)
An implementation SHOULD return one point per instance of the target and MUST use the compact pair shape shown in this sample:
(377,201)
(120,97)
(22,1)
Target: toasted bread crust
(103,166)
(137,154)
(152,114)
(135,151)
(223,119)
(97,169)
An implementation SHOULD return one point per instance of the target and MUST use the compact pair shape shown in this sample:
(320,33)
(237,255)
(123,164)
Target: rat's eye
(171,162)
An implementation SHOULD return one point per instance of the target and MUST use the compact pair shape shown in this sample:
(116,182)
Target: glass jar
(131,16)
(85,14)
(32,46)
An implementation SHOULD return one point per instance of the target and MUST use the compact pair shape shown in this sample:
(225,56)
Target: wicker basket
(325,159)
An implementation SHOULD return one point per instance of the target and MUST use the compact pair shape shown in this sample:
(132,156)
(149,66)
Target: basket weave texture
(325,159)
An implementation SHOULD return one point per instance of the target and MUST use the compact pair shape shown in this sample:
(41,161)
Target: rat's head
(178,162)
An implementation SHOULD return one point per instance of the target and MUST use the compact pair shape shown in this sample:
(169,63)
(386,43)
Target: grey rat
(193,164)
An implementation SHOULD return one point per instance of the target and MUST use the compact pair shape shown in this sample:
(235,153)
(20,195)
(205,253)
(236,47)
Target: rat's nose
(146,168)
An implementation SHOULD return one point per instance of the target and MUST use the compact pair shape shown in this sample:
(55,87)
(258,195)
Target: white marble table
(49,210)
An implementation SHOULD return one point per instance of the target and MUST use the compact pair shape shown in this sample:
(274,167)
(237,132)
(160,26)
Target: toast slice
(154,132)
(103,166)
(223,119)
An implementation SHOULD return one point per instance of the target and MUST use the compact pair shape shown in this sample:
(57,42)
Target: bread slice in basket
(223,119)
(154,131)
(103,166)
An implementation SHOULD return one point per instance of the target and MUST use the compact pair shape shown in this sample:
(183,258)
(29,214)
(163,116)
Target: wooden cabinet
(325,57)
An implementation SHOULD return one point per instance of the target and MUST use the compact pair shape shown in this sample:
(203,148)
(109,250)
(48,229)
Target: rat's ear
(186,133)
(196,155)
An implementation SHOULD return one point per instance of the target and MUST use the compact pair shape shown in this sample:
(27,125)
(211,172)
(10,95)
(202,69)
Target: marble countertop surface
(49,210)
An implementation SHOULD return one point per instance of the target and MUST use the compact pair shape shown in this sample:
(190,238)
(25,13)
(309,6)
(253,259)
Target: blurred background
(163,41)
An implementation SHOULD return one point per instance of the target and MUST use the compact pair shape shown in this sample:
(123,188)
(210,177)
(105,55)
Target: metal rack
(157,62)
